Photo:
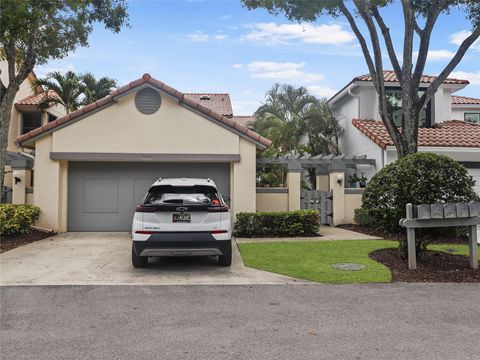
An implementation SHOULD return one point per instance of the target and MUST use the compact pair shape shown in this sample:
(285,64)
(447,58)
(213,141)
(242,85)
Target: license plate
(181,217)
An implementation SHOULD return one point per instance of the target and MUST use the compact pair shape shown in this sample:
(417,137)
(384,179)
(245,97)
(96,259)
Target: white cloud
(226,17)
(321,91)
(332,34)
(458,37)
(198,36)
(437,55)
(473,77)
(237,66)
(286,71)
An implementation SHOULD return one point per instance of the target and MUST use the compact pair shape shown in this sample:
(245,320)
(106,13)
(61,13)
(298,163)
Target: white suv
(182,217)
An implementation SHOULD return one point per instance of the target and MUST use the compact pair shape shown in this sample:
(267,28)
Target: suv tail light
(221,208)
(148,209)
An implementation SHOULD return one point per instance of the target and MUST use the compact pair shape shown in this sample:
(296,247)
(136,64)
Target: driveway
(383,321)
(104,259)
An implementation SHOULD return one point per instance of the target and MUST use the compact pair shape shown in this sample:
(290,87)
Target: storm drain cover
(348,266)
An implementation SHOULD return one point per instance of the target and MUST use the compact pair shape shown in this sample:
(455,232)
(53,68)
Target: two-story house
(27,115)
(449,124)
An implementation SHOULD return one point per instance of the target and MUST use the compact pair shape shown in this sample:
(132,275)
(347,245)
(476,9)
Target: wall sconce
(339,179)
(17,180)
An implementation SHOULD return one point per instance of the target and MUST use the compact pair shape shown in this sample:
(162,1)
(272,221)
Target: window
(192,195)
(472,117)
(51,117)
(394,96)
(31,120)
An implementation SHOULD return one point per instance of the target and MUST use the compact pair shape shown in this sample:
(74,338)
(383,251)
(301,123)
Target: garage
(103,196)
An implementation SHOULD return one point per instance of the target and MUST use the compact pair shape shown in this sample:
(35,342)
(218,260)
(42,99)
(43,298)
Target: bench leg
(472,236)
(412,253)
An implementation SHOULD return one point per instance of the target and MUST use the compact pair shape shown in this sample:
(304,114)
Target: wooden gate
(321,201)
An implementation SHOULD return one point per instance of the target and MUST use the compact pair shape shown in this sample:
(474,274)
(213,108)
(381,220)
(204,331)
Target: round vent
(147,101)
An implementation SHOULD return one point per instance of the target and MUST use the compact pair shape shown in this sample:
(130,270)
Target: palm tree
(96,89)
(282,116)
(323,129)
(68,87)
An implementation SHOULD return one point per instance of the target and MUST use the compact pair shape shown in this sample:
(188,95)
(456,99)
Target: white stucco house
(95,164)
(449,124)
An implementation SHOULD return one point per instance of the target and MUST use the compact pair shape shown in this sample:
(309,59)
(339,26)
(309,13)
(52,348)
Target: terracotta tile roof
(145,79)
(390,76)
(220,103)
(245,120)
(452,133)
(36,99)
(465,100)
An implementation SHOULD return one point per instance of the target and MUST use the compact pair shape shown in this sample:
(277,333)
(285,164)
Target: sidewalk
(326,232)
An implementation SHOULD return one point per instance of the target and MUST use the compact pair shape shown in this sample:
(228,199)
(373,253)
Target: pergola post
(294,183)
(337,187)
(21,166)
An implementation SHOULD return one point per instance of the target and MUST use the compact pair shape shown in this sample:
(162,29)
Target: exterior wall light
(339,179)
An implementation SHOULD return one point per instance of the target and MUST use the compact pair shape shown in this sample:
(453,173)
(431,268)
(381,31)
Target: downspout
(350,92)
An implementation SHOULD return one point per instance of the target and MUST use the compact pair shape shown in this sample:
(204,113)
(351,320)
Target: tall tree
(96,89)
(282,115)
(323,130)
(419,17)
(68,89)
(35,31)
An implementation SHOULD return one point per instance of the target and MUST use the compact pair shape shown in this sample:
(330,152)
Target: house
(26,116)
(94,165)
(449,124)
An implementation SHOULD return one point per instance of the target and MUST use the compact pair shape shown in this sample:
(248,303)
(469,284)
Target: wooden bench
(442,215)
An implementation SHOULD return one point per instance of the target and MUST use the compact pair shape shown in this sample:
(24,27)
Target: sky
(220,46)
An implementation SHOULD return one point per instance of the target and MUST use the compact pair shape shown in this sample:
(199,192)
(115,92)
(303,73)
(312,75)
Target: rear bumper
(181,244)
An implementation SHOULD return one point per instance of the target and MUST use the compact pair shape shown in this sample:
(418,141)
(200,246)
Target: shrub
(17,219)
(421,178)
(277,223)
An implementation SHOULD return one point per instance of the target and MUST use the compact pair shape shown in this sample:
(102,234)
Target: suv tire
(226,258)
(138,261)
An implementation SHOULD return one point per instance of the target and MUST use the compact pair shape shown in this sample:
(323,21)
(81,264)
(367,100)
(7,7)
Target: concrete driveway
(104,259)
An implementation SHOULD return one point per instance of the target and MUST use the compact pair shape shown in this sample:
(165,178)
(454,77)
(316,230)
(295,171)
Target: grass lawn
(311,260)
(458,249)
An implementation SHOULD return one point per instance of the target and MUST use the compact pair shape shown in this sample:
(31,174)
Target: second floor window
(394,96)
(31,120)
(472,117)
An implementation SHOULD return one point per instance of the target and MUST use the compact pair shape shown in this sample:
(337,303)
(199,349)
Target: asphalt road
(399,321)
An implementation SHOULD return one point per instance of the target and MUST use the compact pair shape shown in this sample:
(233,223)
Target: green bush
(17,219)
(277,223)
(421,178)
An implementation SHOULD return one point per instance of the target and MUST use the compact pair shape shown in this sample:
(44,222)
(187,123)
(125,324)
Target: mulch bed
(432,267)
(12,242)
(443,238)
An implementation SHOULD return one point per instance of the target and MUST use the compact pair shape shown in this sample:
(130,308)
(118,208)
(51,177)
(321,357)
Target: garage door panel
(102,196)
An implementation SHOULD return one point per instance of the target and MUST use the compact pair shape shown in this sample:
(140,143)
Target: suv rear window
(187,195)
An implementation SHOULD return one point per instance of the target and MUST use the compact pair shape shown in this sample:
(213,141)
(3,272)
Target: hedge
(277,223)
(17,219)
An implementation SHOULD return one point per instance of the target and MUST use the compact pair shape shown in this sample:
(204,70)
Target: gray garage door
(103,196)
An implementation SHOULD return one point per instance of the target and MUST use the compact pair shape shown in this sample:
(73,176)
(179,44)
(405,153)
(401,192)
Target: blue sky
(220,46)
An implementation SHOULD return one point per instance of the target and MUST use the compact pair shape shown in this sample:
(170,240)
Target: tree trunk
(6,106)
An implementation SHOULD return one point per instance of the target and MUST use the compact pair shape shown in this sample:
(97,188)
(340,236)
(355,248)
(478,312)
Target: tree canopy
(419,18)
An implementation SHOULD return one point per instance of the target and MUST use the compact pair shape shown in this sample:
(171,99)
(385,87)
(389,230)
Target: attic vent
(204,97)
(147,101)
